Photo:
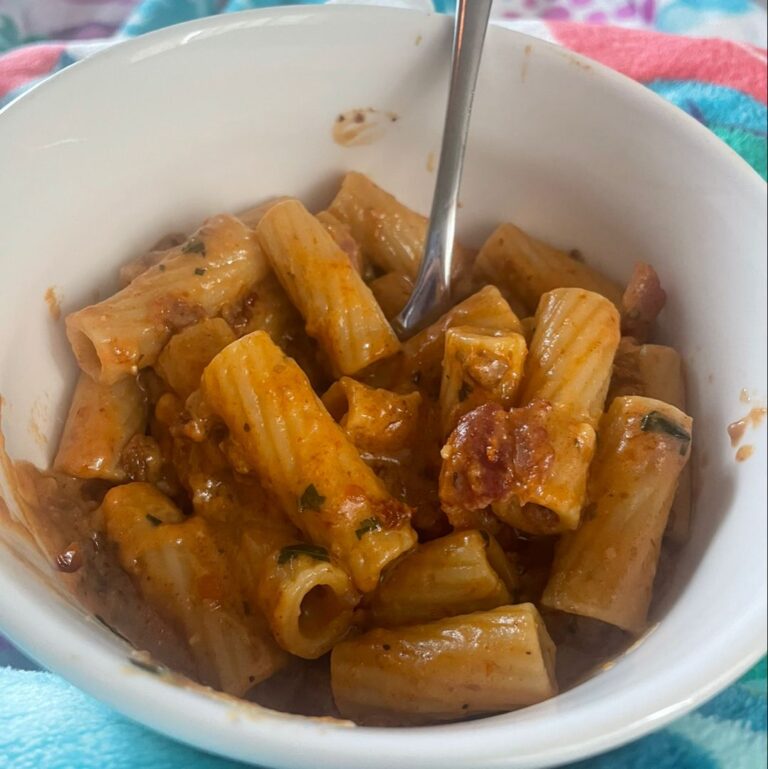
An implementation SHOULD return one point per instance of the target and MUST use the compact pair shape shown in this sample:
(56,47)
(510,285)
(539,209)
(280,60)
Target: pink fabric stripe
(24,64)
(646,56)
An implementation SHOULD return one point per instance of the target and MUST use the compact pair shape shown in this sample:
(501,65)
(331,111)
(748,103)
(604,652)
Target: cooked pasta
(270,492)
(606,569)
(125,333)
(304,458)
(339,309)
(102,420)
(527,268)
(439,671)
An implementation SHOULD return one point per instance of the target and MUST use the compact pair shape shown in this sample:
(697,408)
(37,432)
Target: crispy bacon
(643,300)
(493,453)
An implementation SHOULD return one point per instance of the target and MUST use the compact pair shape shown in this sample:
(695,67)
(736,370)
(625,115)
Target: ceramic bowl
(154,134)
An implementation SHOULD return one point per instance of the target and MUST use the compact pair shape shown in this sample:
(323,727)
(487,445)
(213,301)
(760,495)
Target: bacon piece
(492,454)
(643,300)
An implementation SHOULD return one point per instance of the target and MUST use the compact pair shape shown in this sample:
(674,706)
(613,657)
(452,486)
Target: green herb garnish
(465,391)
(367,526)
(311,499)
(656,422)
(153,520)
(194,246)
(200,271)
(293,551)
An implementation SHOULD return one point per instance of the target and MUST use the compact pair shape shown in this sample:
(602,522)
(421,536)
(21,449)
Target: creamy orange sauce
(744,453)
(754,419)
(361,127)
(53,302)
(431,162)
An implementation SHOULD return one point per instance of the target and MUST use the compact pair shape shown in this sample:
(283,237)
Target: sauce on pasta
(262,488)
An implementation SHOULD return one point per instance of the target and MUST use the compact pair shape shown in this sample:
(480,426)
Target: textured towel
(47,724)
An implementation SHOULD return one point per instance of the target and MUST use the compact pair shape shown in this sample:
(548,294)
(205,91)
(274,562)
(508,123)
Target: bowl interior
(156,134)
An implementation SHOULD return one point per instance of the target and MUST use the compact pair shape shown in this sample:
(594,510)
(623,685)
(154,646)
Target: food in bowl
(262,486)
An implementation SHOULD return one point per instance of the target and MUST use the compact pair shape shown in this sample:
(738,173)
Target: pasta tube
(181,573)
(117,337)
(101,421)
(460,573)
(303,457)
(423,354)
(656,371)
(339,309)
(479,367)
(183,359)
(344,240)
(606,569)
(307,600)
(448,669)
(528,268)
(376,421)
(571,354)
(392,291)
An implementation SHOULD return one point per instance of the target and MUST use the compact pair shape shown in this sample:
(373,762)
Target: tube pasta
(117,337)
(571,354)
(307,600)
(423,353)
(606,569)
(460,573)
(101,421)
(343,237)
(528,268)
(376,421)
(181,573)
(339,309)
(392,291)
(479,367)
(183,359)
(440,670)
(304,458)
(656,371)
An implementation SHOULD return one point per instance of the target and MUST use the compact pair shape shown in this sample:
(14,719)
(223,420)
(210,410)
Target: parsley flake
(311,499)
(656,422)
(194,246)
(367,526)
(465,391)
(293,551)
(199,270)
(153,520)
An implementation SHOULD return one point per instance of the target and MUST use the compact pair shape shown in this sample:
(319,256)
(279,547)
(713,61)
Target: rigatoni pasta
(125,333)
(304,458)
(606,569)
(270,491)
(339,309)
(438,671)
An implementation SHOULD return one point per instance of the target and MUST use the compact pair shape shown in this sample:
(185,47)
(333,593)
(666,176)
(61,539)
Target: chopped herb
(465,391)
(146,664)
(199,270)
(246,427)
(656,422)
(161,267)
(111,629)
(194,246)
(367,526)
(153,520)
(311,499)
(292,551)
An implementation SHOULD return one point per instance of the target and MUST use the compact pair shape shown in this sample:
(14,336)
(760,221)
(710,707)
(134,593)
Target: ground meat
(643,300)
(493,453)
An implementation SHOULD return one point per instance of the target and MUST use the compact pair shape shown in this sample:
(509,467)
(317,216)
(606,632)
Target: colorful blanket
(716,72)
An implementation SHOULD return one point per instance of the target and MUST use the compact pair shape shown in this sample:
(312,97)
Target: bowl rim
(215,723)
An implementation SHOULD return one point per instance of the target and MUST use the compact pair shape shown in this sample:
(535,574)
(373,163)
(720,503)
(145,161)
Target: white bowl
(156,133)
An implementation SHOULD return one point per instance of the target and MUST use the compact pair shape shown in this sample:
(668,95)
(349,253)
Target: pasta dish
(262,486)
